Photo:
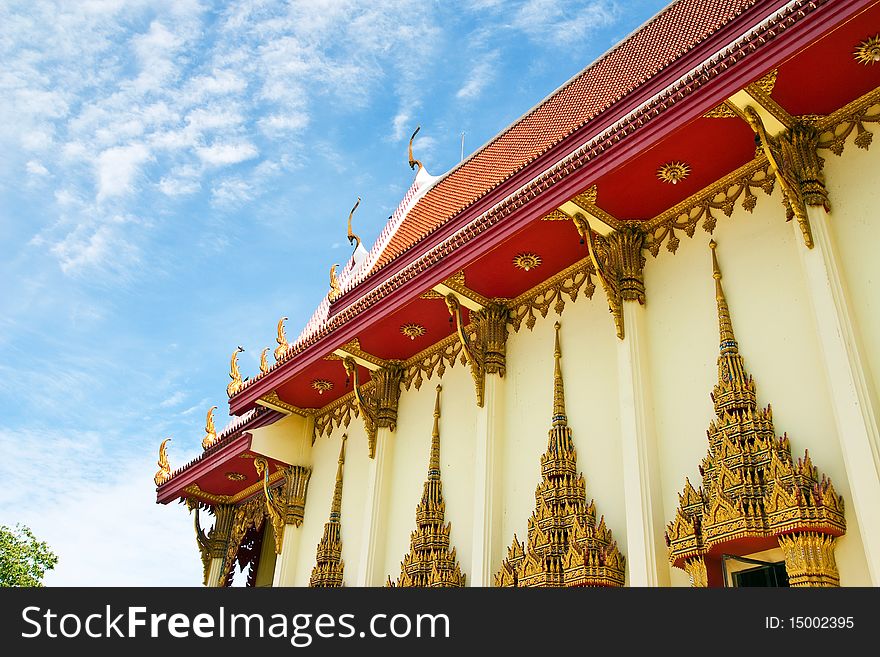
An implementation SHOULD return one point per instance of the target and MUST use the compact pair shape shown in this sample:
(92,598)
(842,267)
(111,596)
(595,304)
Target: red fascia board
(686,107)
(174,488)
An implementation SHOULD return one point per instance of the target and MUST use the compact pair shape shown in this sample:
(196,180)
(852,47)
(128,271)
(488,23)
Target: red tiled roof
(666,38)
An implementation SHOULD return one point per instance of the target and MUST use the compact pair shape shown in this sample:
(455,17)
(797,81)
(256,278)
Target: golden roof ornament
(264,364)
(430,562)
(352,238)
(329,568)
(412,161)
(164,472)
(335,288)
(754,496)
(236,384)
(283,346)
(210,434)
(565,545)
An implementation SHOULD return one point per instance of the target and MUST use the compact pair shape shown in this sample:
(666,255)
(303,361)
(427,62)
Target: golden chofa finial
(335,288)
(412,161)
(283,346)
(210,434)
(264,364)
(164,473)
(236,384)
(352,238)
(725,326)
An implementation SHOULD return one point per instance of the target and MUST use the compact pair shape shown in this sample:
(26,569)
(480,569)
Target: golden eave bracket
(364,359)
(466,296)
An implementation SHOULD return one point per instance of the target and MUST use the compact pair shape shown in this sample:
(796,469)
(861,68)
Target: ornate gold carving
(193,490)
(809,559)
(273,401)
(838,125)
(618,259)
(353,347)
(672,172)
(552,292)
(337,413)
(798,167)
(329,566)
(868,51)
(284,505)
(586,201)
(422,365)
(335,289)
(565,545)
(726,110)
(430,562)
(164,472)
(236,384)
(751,487)
(378,405)
(250,514)
(283,346)
(721,195)
(527,261)
(213,544)
(412,331)
(264,365)
(488,351)
(412,161)
(235,476)
(555,215)
(696,570)
(210,434)
(322,385)
(352,238)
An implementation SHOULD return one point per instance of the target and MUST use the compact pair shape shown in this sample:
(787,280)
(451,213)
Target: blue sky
(175,177)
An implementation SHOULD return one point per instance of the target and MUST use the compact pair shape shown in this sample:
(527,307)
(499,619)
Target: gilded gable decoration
(212,545)
(236,384)
(565,546)
(754,495)
(329,567)
(430,562)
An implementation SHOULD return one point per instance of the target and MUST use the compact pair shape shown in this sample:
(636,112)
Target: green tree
(23,559)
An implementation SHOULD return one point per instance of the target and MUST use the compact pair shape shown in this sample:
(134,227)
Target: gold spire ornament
(164,473)
(430,562)
(210,434)
(236,384)
(754,496)
(565,545)
(335,289)
(264,364)
(329,568)
(283,346)
(413,162)
(352,238)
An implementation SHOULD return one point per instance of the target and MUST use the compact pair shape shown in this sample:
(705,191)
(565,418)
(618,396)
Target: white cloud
(401,124)
(117,167)
(550,21)
(231,192)
(104,248)
(178,186)
(481,75)
(220,154)
(173,400)
(36,168)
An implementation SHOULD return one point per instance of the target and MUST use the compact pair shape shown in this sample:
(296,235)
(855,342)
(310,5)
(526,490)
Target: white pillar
(854,414)
(645,547)
(487,521)
(215,570)
(371,560)
(285,564)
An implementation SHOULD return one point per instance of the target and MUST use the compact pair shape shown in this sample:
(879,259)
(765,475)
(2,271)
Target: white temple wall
(412,451)
(325,454)
(772,320)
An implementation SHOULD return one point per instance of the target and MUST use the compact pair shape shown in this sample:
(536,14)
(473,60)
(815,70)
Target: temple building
(681,237)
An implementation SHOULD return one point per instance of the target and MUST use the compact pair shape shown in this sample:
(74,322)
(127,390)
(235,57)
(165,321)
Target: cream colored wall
(325,454)
(415,420)
(852,182)
(772,320)
(589,369)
